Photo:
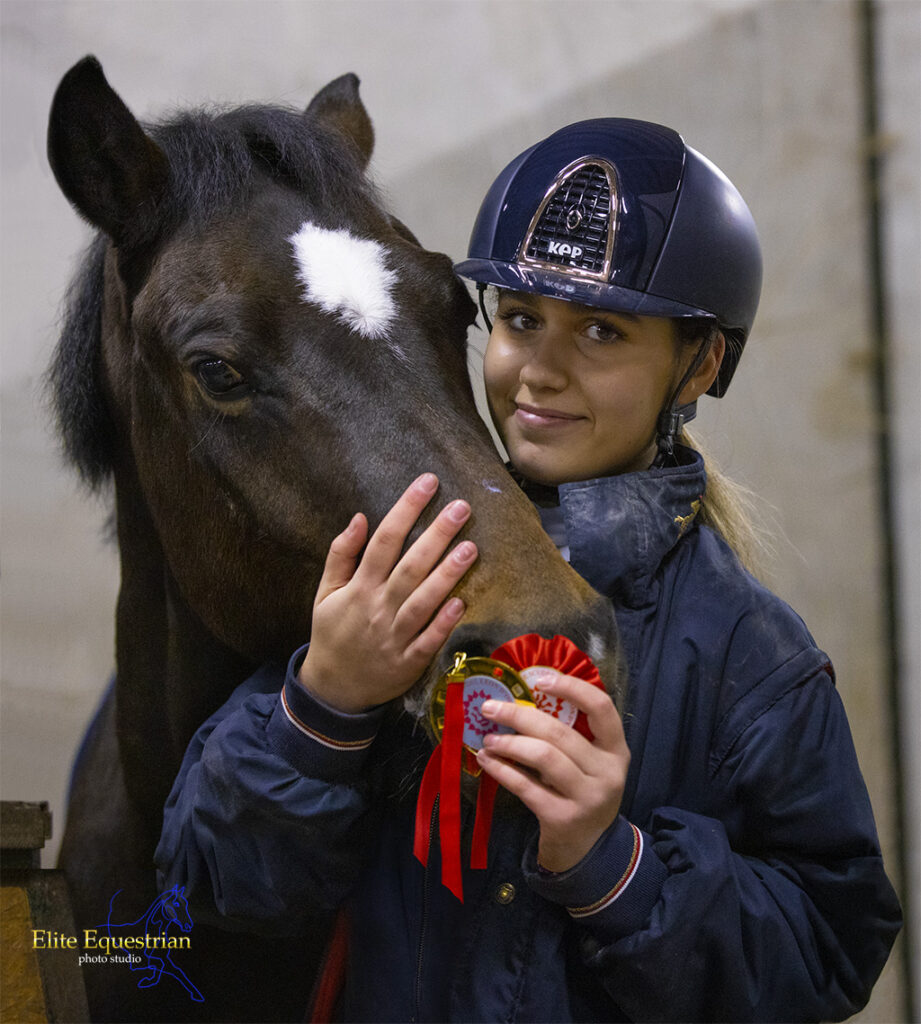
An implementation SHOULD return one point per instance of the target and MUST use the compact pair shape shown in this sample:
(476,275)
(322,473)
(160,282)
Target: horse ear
(105,164)
(340,106)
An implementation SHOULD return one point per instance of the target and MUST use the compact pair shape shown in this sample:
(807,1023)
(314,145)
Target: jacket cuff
(316,739)
(615,886)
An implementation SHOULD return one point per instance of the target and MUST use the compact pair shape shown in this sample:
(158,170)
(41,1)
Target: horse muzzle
(593,631)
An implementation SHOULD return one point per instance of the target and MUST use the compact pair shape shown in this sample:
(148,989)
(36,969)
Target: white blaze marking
(346,275)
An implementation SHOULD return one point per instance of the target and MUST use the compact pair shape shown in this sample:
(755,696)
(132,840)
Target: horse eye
(220,379)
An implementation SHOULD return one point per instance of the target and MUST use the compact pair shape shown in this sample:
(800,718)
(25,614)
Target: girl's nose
(544,367)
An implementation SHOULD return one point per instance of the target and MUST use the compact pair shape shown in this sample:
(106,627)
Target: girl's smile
(575,392)
(538,417)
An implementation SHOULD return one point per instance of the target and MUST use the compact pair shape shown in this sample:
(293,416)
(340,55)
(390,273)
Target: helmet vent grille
(574,225)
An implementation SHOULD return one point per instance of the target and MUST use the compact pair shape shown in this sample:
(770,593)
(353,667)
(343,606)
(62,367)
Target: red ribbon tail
(485,799)
(332,976)
(425,806)
(449,811)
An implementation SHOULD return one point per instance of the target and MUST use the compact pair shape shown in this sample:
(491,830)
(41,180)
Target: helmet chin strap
(481,295)
(668,427)
(674,416)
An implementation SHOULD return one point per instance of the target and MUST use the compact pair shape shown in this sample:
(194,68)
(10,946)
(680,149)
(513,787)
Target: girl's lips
(534,416)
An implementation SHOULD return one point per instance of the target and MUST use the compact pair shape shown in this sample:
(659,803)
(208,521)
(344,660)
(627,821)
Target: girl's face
(575,392)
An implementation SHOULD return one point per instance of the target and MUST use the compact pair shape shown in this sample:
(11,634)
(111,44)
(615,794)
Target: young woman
(708,854)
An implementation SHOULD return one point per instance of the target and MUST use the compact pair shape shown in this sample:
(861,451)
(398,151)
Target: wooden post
(37,981)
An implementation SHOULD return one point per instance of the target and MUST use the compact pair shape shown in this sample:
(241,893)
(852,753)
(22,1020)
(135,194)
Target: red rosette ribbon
(560,653)
(442,777)
(523,653)
(442,781)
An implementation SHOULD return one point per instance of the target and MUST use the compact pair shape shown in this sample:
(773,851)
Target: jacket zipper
(426,887)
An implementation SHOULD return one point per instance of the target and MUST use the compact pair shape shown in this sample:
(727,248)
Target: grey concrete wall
(899,36)
(769,89)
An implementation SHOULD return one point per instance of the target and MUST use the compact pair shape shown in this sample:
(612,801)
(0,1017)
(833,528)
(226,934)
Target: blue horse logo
(169,909)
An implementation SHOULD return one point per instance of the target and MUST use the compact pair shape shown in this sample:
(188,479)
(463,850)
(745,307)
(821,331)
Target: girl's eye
(603,332)
(220,379)
(518,319)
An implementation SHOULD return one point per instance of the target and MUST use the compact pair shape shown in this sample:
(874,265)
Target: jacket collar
(620,528)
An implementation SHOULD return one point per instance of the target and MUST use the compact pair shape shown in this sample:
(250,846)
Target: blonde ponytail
(735,513)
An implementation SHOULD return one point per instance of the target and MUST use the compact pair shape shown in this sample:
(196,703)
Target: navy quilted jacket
(742,880)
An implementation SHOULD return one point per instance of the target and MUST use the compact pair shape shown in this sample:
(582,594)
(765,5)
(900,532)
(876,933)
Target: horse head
(275,352)
(253,351)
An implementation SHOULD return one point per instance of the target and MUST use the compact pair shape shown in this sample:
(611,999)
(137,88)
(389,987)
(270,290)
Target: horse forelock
(216,156)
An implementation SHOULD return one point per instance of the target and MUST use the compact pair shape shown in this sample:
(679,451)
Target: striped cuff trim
(319,737)
(625,879)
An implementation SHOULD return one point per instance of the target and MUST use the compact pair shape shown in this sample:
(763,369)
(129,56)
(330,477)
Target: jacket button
(505,894)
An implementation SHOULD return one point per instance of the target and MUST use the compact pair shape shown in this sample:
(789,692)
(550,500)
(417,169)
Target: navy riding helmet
(623,215)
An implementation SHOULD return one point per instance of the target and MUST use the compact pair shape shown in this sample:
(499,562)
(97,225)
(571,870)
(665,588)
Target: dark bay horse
(253,350)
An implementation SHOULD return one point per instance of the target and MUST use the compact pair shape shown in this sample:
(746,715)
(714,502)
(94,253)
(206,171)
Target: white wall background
(769,89)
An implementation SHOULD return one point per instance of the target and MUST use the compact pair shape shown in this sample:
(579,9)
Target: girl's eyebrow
(620,313)
(509,293)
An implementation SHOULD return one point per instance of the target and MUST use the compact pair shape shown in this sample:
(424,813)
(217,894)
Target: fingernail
(458,511)
(489,707)
(455,607)
(465,552)
(427,483)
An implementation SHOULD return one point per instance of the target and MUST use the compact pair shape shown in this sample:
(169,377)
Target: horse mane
(216,158)
(74,379)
